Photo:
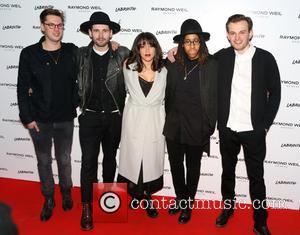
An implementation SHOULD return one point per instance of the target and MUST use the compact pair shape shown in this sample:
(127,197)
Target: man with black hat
(102,93)
(191,111)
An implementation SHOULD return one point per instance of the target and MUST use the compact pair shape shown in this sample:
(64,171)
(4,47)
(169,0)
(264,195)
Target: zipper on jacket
(111,92)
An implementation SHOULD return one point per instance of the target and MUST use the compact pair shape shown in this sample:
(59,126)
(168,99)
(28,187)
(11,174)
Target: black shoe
(185,216)
(67,203)
(86,222)
(134,203)
(224,217)
(261,230)
(149,206)
(48,206)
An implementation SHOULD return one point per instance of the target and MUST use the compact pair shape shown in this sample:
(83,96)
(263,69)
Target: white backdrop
(276,28)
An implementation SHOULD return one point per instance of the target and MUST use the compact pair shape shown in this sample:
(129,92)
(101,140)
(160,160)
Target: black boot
(86,222)
(149,206)
(48,206)
(224,217)
(67,202)
(185,215)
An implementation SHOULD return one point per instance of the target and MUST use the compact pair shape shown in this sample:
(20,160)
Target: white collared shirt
(240,99)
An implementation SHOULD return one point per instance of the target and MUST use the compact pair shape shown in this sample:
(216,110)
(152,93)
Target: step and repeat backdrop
(276,29)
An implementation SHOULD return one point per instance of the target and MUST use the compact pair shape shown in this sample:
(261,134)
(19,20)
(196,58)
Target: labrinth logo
(9,85)
(159,32)
(7,27)
(13,104)
(293,105)
(22,139)
(296,62)
(42,7)
(9,67)
(126,9)
(286,182)
(6,6)
(290,145)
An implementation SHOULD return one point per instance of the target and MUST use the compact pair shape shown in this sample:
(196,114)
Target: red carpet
(26,201)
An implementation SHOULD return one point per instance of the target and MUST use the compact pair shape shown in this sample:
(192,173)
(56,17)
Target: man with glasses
(47,98)
(191,111)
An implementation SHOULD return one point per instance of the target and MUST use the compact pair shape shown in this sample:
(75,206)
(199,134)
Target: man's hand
(114,45)
(33,125)
(171,54)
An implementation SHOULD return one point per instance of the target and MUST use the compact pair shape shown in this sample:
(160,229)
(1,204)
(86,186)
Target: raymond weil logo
(241,178)
(206,191)
(9,85)
(130,30)
(290,83)
(10,47)
(7,6)
(293,38)
(126,9)
(279,199)
(169,10)
(42,7)
(22,139)
(283,164)
(36,27)
(3,169)
(286,124)
(259,36)
(241,195)
(19,155)
(286,182)
(25,172)
(84,8)
(15,121)
(265,13)
(207,174)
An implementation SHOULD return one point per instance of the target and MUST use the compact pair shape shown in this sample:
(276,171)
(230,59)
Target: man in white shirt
(249,97)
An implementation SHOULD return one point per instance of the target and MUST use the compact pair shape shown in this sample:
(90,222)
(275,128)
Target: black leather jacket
(115,78)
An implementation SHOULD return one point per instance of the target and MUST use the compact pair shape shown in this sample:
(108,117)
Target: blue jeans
(62,135)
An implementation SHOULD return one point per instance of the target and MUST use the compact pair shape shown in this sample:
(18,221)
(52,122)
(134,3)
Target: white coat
(142,141)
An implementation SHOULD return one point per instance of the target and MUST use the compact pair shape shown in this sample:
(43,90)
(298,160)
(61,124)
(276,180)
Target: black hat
(191,26)
(99,17)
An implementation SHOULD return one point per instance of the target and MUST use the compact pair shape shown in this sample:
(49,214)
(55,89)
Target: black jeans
(95,129)
(185,187)
(254,147)
(62,135)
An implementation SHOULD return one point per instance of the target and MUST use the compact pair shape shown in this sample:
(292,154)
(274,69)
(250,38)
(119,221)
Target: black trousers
(95,129)
(254,147)
(185,185)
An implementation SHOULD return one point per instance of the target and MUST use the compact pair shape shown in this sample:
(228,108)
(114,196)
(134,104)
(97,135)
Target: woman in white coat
(142,148)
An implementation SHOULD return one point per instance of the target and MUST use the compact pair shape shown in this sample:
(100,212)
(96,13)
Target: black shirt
(101,100)
(187,109)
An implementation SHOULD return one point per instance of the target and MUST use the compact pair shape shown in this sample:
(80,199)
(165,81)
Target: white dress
(142,141)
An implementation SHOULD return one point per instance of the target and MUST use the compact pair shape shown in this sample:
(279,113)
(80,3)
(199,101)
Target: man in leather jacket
(102,94)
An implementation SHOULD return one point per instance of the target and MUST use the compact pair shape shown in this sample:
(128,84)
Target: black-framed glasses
(53,26)
(189,42)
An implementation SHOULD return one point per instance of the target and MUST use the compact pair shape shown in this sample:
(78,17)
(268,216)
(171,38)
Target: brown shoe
(86,222)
